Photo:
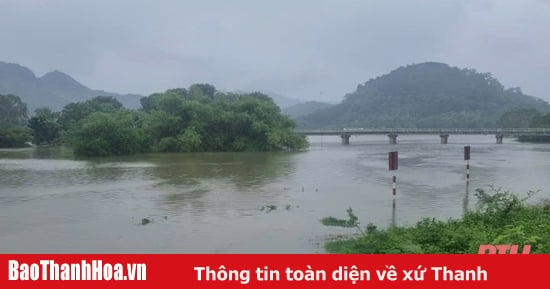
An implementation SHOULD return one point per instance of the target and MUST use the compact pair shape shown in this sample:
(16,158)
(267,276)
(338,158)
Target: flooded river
(51,202)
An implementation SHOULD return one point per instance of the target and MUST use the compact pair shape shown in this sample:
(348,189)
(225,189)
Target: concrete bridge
(443,133)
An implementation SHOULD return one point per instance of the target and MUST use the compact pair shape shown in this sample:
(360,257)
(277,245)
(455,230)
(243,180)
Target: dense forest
(179,120)
(427,95)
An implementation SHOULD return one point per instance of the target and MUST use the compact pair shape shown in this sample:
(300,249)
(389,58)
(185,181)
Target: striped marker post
(394,186)
(468,171)
(392,164)
(467,159)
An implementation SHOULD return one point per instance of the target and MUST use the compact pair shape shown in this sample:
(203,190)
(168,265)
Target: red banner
(273,271)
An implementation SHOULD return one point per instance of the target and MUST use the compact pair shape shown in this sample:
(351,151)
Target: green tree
(201,119)
(202,89)
(518,118)
(13,111)
(541,120)
(13,136)
(149,103)
(189,141)
(45,126)
(74,112)
(184,120)
(105,103)
(13,117)
(160,124)
(169,101)
(105,134)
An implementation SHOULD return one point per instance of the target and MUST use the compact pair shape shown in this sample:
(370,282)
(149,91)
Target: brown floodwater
(51,202)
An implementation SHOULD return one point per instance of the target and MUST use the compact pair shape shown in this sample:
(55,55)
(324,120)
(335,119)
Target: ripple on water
(124,165)
(41,164)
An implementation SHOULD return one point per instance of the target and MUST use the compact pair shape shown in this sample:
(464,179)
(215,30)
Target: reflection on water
(212,202)
(466,203)
(244,170)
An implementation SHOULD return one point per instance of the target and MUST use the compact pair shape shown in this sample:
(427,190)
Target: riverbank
(534,138)
(501,218)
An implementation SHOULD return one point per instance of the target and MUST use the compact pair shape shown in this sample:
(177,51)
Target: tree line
(194,119)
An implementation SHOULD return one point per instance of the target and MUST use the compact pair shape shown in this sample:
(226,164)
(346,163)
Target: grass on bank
(500,218)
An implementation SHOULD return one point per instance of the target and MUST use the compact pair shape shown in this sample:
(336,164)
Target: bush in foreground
(501,218)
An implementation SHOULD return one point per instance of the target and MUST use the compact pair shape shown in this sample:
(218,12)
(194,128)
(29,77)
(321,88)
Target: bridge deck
(504,131)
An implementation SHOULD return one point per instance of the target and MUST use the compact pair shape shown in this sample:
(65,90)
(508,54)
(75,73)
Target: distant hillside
(429,94)
(304,108)
(282,101)
(53,90)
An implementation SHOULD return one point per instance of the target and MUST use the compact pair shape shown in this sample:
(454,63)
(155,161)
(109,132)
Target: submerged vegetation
(500,218)
(179,120)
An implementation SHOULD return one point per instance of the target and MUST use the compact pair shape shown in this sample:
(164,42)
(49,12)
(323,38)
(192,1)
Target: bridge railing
(505,131)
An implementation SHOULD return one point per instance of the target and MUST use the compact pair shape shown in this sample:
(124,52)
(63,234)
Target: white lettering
(13,273)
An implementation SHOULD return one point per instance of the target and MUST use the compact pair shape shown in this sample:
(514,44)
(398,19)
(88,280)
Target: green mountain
(428,95)
(305,108)
(53,90)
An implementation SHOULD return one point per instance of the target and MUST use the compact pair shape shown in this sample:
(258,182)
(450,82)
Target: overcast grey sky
(307,49)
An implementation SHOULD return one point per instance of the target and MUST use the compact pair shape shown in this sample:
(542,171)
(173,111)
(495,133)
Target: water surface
(51,202)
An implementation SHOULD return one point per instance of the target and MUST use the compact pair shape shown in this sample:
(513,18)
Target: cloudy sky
(306,49)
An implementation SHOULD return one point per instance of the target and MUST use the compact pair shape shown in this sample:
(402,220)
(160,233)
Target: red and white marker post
(467,159)
(392,162)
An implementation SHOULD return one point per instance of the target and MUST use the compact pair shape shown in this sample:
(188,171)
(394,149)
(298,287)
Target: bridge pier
(393,138)
(499,138)
(345,138)
(444,138)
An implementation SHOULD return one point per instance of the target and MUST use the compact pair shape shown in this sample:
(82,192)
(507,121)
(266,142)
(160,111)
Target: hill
(282,101)
(429,94)
(305,108)
(53,90)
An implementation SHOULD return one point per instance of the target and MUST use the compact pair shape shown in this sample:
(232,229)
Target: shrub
(500,218)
